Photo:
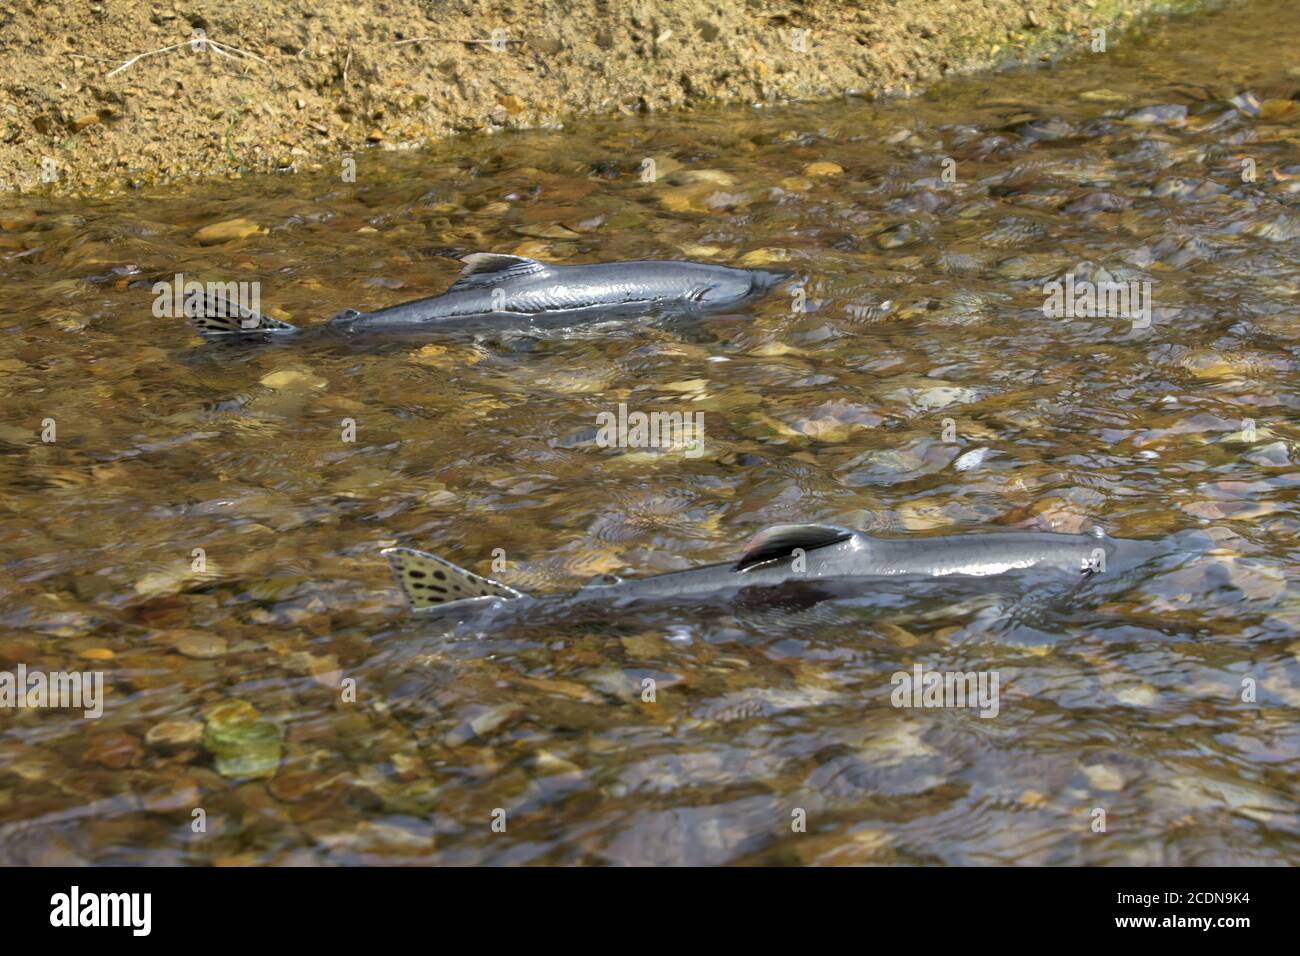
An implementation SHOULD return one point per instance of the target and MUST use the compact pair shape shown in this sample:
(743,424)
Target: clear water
(922,339)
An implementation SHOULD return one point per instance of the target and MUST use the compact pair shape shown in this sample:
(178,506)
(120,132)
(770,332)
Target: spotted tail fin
(214,315)
(429,582)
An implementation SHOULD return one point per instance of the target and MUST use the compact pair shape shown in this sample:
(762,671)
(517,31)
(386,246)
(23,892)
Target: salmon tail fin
(214,316)
(429,581)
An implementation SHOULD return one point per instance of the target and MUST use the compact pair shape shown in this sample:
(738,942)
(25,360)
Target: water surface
(920,390)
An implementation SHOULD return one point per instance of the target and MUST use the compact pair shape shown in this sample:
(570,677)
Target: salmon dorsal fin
(484,269)
(600,581)
(780,541)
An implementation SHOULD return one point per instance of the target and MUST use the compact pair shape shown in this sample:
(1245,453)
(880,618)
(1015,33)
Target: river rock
(243,742)
(228,231)
(174,735)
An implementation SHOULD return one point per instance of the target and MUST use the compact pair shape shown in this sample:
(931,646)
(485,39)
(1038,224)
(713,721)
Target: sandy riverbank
(300,83)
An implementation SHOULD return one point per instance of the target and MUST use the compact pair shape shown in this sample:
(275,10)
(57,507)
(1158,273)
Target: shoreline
(96,103)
